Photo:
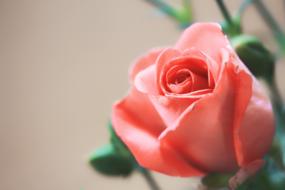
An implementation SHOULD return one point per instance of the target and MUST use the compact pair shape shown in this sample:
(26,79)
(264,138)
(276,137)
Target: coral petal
(206,37)
(130,126)
(143,62)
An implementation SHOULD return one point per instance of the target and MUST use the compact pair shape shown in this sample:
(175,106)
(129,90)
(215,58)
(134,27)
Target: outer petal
(137,124)
(137,107)
(143,62)
(206,37)
(204,133)
(170,108)
(254,127)
(257,129)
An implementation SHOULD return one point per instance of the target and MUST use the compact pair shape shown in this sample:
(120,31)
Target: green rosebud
(233,28)
(107,161)
(254,55)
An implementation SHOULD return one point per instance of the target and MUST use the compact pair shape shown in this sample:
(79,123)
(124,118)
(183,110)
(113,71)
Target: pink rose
(194,108)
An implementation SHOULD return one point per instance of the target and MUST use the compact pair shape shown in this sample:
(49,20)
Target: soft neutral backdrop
(62,65)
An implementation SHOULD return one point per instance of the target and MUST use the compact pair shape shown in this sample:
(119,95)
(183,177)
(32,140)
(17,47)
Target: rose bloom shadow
(195,108)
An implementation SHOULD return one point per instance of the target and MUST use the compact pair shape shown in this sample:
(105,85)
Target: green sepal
(107,161)
(216,180)
(276,153)
(254,55)
(271,176)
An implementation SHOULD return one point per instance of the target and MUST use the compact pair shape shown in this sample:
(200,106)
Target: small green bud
(108,162)
(232,29)
(254,55)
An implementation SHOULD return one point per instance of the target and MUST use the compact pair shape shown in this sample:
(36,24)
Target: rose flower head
(195,108)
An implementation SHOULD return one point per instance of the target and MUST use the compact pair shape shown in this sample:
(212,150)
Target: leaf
(108,162)
(114,159)
(118,144)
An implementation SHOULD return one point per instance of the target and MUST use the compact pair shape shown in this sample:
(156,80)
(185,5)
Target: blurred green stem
(165,8)
(277,101)
(243,7)
(149,179)
(187,3)
(271,22)
(181,15)
(279,110)
(225,12)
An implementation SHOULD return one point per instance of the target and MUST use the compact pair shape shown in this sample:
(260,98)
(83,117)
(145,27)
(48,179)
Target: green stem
(243,7)
(187,6)
(279,110)
(183,15)
(271,23)
(164,7)
(278,103)
(150,180)
(225,12)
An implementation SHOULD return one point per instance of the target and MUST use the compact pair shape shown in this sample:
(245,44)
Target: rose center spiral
(182,80)
(181,76)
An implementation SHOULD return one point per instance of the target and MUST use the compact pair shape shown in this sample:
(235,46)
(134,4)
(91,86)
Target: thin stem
(271,22)
(187,6)
(243,7)
(164,7)
(279,110)
(186,2)
(277,102)
(150,180)
(186,14)
(225,11)
(181,15)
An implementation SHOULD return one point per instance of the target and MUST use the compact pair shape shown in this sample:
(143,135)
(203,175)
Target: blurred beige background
(62,65)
